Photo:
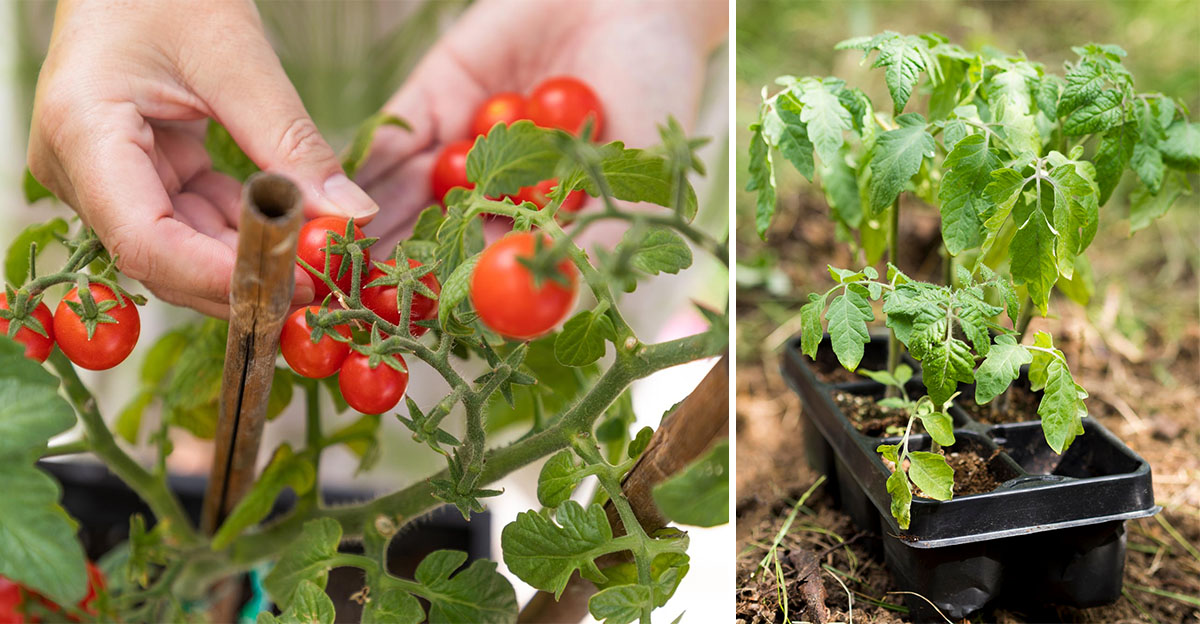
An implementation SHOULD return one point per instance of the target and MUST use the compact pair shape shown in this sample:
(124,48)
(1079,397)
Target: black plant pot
(103,504)
(1052,533)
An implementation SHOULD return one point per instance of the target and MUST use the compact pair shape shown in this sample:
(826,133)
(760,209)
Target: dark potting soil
(971,474)
(1022,407)
(869,418)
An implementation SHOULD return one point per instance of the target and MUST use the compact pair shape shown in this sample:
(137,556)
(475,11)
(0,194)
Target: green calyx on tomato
(323,245)
(29,322)
(98,329)
(510,298)
(382,293)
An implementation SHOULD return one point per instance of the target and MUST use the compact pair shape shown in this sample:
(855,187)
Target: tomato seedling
(1018,161)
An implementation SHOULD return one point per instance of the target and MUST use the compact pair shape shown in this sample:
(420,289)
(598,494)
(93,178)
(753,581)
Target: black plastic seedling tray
(1052,533)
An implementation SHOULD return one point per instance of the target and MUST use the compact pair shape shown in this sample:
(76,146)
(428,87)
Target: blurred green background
(1154,272)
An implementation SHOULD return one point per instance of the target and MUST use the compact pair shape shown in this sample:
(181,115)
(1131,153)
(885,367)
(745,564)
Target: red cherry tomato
(504,295)
(505,108)
(371,390)
(450,169)
(566,103)
(382,299)
(311,249)
(110,344)
(10,602)
(37,346)
(539,196)
(313,360)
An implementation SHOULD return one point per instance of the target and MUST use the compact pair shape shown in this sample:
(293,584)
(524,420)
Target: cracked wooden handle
(259,300)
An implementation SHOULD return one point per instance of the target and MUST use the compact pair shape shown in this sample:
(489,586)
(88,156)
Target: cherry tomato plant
(1019,161)
(386,317)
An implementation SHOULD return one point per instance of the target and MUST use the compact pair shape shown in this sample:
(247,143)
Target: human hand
(645,60)
(118,133)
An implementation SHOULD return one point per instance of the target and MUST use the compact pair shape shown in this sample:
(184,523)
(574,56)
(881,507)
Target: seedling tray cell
(1053,531)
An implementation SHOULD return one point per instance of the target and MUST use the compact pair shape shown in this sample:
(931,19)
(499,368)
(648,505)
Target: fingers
(256,102)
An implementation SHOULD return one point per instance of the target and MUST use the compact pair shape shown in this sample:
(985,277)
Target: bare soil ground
(1144,379)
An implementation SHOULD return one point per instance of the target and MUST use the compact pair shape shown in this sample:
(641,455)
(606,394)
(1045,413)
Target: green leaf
(901,493)
(1003,191)
(510,157)
(1012,106)
(943,365)
(1000,368)
(31,410)
(16,261)
(1061,408)
(459,237)
(841,192)
(1098,115)
(1032,260)
(428,223)
(192,393)
(622,604)
(897,158)
(965,205)
(698,495)
(847,317)
(1145,207)
(762,179)
(38,546)
(33,189)
(360,147)
(392,606)
(931,473)
(1147,162)
(287,469)
(1181,149)
(129,420)
(305,559)
(1113,155)
(811,333)
(903,56)
(559,477)
(544,553)
(940,426)
(635,175)
(659,250)
(309,606)
(825,118)
(582,339)
(227,157)
(785,129)
(1084,83)
(455,289)
(478,594)
(281,392)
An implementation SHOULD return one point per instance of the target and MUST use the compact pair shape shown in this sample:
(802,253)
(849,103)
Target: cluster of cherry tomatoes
(111,342)
(561,102)
(15,599)
(368,389)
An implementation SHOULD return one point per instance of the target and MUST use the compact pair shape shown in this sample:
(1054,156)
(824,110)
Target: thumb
(260,108)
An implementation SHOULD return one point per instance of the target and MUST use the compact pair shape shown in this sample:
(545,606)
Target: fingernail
(347,198)
(303,295)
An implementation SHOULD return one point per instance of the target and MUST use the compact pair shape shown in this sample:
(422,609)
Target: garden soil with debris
(1145,392)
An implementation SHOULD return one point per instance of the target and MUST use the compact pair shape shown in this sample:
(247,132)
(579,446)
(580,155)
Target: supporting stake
(260,297)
